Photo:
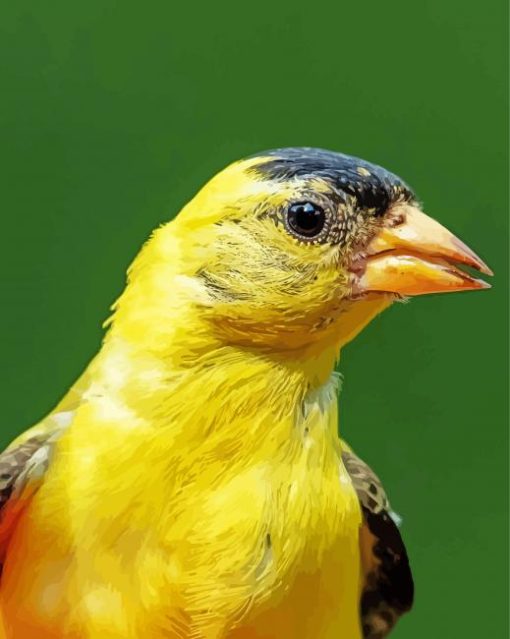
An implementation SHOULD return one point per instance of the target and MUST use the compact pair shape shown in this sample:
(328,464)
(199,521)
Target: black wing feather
(388,588)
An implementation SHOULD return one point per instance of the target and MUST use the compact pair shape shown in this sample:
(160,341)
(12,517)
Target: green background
(114,113)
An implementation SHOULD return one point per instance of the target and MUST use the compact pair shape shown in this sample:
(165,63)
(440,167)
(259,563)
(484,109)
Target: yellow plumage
(196,488)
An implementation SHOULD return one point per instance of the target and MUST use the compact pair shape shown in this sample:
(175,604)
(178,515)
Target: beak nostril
(397,220)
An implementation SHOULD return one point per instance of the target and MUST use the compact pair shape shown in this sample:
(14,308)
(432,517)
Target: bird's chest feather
(262,547)
(270,551)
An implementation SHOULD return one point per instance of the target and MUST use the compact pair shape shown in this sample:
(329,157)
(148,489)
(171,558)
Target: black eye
(305,219)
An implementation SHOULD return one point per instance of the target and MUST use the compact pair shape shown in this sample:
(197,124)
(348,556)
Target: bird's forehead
(370,184)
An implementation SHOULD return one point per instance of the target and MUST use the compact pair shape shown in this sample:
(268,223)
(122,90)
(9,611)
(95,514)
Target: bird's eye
(305,219)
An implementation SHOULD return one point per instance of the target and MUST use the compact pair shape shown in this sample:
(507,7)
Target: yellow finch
(192,484)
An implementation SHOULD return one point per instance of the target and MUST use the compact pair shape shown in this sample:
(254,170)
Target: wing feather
(25,461)
(388,588)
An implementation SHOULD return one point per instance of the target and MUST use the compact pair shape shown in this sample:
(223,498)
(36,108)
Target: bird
(192,483)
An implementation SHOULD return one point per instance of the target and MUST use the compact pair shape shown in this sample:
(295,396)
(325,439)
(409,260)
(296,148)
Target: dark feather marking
(12,465)
(15,468)
(373,186)
(388,590)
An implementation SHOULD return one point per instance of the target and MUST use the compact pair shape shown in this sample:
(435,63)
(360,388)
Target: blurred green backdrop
(114,113)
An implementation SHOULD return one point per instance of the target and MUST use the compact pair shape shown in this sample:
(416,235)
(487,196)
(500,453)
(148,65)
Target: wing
(388,588)
(24,463)
(22,468)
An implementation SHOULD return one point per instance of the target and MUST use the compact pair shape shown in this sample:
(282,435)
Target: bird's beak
(415,255)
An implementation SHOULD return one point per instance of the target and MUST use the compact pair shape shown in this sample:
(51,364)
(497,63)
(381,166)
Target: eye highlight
(305,220)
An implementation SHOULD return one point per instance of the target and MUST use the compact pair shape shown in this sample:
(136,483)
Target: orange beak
(415,256)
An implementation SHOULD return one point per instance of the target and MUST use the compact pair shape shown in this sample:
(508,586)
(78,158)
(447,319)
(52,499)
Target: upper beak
(416,255)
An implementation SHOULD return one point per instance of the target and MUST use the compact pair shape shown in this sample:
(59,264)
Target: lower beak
(415,255)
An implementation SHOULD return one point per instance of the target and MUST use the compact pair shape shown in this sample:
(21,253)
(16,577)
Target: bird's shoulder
(388,588)
(23,464)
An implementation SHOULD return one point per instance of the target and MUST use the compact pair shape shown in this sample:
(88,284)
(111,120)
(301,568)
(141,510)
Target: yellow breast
(253,541)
